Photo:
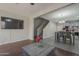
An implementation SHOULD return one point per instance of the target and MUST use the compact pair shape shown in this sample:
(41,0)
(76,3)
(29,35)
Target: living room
(20,35)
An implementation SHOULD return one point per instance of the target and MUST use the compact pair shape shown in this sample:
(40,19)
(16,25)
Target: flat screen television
(11,23)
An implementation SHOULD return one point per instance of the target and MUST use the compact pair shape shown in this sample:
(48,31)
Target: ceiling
(25,9)
(70,12)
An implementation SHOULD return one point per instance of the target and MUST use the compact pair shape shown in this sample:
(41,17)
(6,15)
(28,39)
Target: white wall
(31,28)
(59,27)
(7,35)
(49,30)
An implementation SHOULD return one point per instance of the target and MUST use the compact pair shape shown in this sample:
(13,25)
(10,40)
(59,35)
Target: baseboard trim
(3,43)
(18,43)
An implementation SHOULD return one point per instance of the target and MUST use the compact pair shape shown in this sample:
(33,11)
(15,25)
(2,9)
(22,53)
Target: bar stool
(60,37)
(68,35)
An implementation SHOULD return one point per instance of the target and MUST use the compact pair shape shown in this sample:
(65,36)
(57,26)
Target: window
(10,23)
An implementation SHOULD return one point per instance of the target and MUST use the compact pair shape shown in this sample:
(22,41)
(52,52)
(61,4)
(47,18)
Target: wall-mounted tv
(11,23)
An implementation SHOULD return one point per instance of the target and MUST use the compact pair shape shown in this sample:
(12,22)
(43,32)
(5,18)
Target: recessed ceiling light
(61,21)
(32,3)
(63,14)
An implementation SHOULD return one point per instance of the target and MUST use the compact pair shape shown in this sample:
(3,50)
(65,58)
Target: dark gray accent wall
(39,25)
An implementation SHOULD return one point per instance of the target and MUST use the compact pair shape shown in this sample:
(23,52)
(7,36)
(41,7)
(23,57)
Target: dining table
(65,35)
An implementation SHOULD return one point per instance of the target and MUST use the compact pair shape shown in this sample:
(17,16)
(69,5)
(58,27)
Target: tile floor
(72,48)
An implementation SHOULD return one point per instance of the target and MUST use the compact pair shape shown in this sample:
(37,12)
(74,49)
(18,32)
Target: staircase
(39,25)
